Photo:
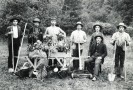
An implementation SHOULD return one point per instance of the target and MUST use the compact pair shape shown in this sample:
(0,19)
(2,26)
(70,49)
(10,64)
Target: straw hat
(121,24)
(97,24)
(36,20)
(78,23)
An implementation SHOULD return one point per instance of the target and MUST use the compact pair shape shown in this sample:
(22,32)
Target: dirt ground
(12,82)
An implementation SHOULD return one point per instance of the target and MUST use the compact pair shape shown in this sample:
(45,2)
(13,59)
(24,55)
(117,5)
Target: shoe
(10,70)
(94,79)
(122,77)
(90,76)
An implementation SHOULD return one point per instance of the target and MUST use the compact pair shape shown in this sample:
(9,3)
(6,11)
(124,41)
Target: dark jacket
(33,35)
(99,50)
(9,36)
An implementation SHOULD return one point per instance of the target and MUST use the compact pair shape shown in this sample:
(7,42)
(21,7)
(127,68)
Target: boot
(117,71)
(121,73)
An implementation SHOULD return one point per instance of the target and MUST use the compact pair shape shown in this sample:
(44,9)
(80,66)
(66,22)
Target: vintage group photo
(66,44)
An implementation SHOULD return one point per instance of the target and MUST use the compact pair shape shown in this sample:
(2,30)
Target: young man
(35,39)
(77,36)
(119,39)
(14,35)
(98,31)
(53,31)
(98,52)
(35,33)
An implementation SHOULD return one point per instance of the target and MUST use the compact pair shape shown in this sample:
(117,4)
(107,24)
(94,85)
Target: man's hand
(127,43)
(11,32)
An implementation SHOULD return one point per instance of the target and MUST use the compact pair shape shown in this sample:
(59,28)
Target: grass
(11,82)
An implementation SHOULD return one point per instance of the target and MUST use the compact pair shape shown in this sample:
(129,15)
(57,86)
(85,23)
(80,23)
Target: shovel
(111,76)
(80,63)
(12,51)
(125,73)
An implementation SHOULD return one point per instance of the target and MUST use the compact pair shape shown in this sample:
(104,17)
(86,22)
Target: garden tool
(80,63)
(111,76)
(80,73)
(20,46)
(125,71)
(12,50)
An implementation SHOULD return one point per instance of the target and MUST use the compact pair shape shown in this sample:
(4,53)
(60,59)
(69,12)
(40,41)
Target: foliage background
(108,12)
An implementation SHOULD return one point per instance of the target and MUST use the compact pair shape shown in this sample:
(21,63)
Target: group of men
(97,47)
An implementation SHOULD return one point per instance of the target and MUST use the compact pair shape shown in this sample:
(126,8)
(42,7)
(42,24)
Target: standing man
(119,39)
(98,31)
(14,35)
(35,39)
(53,31)
(35,33)
(77,36)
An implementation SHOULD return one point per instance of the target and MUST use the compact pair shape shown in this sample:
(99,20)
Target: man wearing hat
(35,32)
(98,52)
(77,37)
(14,35)
(35,35)
(53,31)
(35,39)
(119,39)
(98,31)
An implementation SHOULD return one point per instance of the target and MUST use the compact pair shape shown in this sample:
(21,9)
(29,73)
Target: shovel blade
(111,77)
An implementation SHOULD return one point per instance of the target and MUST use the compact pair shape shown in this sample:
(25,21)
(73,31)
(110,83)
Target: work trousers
(16,44)
(119,60)
(76,54)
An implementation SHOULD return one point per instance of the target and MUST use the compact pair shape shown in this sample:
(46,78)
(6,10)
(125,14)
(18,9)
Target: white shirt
(15,32)
(78,36)
(120,38)
(54,31)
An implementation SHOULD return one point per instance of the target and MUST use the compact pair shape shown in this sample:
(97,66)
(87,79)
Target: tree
(125,9)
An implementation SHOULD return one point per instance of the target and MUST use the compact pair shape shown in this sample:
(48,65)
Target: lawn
(12,82)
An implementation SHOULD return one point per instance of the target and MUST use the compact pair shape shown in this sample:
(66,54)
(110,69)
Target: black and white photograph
(66,44)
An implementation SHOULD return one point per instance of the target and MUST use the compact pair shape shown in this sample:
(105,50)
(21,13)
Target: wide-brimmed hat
(78,23)
(53,18)
(36,20)
(99,36)
(97,24)
(15,18)
(121,24)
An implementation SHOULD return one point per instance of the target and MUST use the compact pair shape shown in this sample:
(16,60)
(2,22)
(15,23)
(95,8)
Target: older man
(120,38)
(98,52)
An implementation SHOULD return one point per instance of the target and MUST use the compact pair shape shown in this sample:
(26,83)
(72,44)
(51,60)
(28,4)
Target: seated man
(98,52)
